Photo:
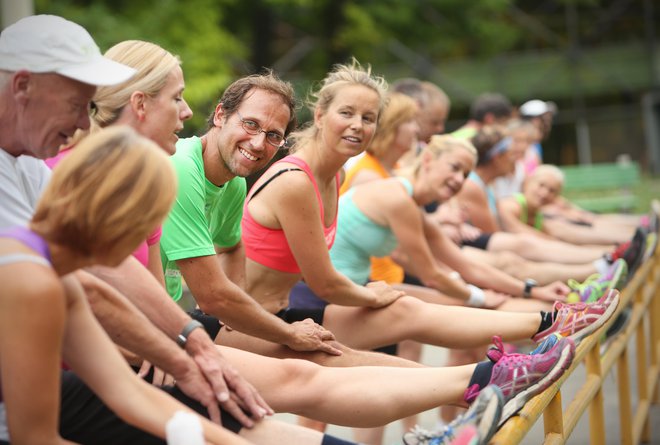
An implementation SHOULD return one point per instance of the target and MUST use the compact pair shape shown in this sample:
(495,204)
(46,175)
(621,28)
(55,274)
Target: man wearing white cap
(540,113)
(49,70)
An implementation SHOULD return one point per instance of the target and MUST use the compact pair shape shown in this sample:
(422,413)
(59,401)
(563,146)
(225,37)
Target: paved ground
(435,356)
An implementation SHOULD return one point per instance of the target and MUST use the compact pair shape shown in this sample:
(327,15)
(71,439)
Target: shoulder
(188,153)
(25,282)
(509,205)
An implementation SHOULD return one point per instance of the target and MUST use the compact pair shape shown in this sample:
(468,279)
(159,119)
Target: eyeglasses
(251,127)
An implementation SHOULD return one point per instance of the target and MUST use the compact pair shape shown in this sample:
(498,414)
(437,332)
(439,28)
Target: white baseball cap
(536,107)
(51,44)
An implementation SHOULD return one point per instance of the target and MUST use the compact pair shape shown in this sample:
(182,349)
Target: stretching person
(43,101)
(497,157)
(299,214)
(523,213)
(91,212)
(152,103)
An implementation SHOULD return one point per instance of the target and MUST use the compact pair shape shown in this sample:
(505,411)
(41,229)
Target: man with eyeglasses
(201,240)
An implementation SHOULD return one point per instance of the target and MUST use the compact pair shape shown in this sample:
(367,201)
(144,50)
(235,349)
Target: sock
(547,318)
(602,265)
(481,374)
(332,440)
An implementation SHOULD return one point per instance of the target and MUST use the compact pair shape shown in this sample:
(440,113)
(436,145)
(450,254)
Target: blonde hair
(439,145)
(339,77)
(115,187)
(549,169)
(153,65)
(399,110)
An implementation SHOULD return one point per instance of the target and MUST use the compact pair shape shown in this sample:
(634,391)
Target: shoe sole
(491,415)
(519,400)
(578,336)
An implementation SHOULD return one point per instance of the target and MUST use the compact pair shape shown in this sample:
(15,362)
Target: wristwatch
(182,338)
(529,285)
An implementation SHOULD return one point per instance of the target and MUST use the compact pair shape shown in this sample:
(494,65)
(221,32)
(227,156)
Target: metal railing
(642,293)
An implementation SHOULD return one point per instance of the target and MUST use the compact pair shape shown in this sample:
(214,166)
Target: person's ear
(22,85)
(318,115)
(219,116)
(137,102)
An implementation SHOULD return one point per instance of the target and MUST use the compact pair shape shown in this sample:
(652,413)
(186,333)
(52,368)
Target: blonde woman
(290,222)
(92,212)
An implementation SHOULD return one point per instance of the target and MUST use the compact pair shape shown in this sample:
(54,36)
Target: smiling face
(166,112)
(349,123)
(53,108)
(448,172)
(541,189)
(241,153)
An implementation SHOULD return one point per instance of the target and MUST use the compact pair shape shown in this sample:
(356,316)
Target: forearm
(142,289)
(241,312)
(150,409)
(343,292)
(441,281)
(488,277)
(130,328)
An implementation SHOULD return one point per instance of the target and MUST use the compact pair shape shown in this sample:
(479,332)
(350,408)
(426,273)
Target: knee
(407,305)
(297,370)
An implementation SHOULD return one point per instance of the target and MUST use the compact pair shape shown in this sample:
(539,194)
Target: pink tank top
(269,247)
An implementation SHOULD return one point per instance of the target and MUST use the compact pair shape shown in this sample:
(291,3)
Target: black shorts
(480,242)
(84,418)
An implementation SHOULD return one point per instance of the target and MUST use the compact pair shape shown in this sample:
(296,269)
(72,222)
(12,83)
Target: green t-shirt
(464,133)
(203,216)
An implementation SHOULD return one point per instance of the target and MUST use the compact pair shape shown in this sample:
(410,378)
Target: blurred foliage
(219,40)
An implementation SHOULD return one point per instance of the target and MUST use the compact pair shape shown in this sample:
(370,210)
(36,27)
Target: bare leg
(273,432)
(361,396)
(411,319)
(577,234)
(539,249)
(350,357)
(409,350)
(543,272)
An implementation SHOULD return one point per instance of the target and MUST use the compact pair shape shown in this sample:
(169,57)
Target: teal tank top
(359,238)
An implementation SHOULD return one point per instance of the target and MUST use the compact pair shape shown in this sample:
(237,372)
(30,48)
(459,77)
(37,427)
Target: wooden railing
(642,293)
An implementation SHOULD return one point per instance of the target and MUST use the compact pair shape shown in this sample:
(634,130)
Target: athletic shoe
(595,286)
(651,244)
(468,436)
(522,376)
(654,224)
(635,251)
(577,320)
(546,344)
(482,415)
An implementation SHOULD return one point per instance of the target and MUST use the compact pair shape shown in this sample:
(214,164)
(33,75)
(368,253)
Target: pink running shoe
(522,376)
(578,320)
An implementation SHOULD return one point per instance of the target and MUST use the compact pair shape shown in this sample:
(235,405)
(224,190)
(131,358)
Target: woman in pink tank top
(296,201)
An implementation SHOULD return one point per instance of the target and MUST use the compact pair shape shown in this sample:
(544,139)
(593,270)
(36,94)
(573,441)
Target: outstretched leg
(362,396)
(538,249)
(409,318)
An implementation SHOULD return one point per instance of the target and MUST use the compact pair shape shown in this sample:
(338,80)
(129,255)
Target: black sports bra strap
(284,170)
